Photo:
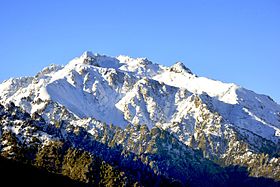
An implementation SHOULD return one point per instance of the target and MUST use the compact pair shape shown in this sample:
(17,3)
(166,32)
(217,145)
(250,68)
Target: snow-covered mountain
(230,124)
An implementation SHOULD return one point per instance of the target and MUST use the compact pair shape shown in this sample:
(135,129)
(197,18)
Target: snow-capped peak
(95,59)
(87,54)
(179,67)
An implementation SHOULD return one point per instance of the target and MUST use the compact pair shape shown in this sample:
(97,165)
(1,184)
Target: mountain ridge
(111,69)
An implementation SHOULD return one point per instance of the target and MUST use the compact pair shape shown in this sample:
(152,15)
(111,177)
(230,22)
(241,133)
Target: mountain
(150,124)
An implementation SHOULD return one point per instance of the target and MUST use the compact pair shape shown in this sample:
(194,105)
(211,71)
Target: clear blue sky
(233,41)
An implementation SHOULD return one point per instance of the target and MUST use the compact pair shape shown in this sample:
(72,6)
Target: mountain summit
(229,124)
(179,67)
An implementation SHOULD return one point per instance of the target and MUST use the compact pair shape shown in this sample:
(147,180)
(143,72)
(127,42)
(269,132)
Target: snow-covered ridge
(122,90)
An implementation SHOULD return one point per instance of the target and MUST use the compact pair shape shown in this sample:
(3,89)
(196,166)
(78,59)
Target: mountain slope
(27,175)
(134,156)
